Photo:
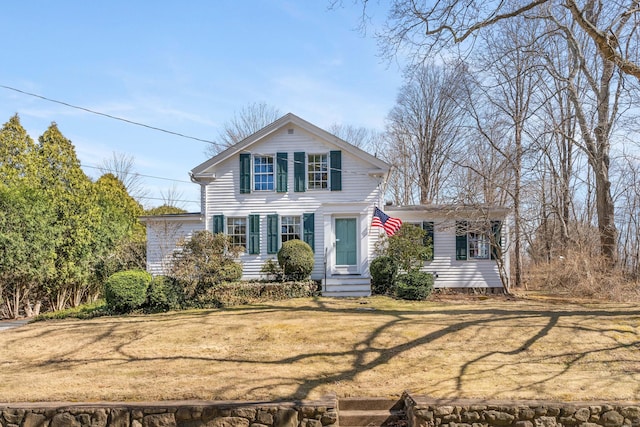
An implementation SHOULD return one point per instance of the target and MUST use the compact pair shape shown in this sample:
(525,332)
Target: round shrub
(164,294)
(416,285)
(384,270)
(127,290)
(296,259)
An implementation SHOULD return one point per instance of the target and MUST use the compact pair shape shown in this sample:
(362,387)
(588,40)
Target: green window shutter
(245,173)
(218,224)
(335,158)
(308,225)
(461,240)
(272,234)
(298,172)
(427,226)
(281,172)
(496,227)
(254,235)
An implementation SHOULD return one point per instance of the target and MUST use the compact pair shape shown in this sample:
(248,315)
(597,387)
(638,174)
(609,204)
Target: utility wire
(153,128)
(109,115)
(138,174)
(173,200)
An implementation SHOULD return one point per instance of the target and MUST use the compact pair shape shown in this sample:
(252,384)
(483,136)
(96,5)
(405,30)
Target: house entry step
(346,286)
(371,412)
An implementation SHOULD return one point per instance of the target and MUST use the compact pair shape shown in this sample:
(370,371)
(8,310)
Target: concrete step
(346,286)
(371,418)
(370,403)
(346,294)
(371,412)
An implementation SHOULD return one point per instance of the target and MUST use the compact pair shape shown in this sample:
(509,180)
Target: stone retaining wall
(426,412)
(183,414)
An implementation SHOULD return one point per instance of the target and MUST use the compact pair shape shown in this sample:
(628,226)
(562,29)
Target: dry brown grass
(492,348)
(583,275)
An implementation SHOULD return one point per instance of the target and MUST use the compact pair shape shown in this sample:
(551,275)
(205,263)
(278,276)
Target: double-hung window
(263,173)
(237,232)
(317,172)
(478,241)
(479,245)
(290,228)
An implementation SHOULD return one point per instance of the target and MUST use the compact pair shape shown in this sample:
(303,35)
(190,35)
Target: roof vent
(290,131)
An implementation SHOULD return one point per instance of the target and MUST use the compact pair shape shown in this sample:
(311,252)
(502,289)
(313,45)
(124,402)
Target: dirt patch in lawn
(487,348)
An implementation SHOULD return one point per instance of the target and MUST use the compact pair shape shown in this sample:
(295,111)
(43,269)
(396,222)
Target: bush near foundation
(296,259)
(127,290)
(239,293)
(415,285)
(164,294)
(384,270)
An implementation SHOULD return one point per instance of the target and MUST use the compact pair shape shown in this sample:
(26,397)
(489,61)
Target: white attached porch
(347,249)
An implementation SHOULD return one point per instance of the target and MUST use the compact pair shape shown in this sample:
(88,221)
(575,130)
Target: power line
(66,104)
(139,174)
(172,200)
(150,127)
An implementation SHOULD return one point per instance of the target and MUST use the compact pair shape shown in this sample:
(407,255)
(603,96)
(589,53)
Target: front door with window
(346,245)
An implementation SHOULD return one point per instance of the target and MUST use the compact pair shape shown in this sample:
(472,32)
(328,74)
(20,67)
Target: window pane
(290,228)
(237,231)
(263,176)
(479,245)
(317,171)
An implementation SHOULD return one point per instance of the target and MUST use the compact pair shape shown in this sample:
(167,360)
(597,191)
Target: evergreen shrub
(164,294)
(296,259)
(126,291)
(415,285)
(384,270)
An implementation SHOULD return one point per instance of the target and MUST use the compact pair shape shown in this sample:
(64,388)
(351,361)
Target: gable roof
(202,169)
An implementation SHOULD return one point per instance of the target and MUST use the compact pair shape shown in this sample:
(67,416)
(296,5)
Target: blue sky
(185,67)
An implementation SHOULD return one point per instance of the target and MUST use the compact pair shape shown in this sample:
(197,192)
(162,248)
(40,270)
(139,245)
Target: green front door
(346,244)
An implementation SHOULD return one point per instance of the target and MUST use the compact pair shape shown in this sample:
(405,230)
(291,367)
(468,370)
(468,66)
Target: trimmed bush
(126,291)
(164,294)
(416,285)
(239,293)
(384,270)
(296,259)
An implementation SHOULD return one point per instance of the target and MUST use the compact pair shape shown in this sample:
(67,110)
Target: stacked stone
(424,413)
(159,415)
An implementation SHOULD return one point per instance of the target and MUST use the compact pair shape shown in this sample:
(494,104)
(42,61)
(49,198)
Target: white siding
(358,189)
(162,236)
(452,273)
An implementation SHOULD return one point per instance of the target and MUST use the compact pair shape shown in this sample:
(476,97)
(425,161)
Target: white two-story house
(293,180)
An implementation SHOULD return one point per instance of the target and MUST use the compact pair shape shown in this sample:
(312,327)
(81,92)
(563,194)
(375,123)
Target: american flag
(381,219)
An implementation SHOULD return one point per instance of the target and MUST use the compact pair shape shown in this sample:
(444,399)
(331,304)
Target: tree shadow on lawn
(368,353)
(367,356)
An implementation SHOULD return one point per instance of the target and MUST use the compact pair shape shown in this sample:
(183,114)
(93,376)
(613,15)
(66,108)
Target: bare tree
(424,128)
(122,165)
(426,28)
(595,88)
(172,196)
(245,122)
(364,138)
(629,212)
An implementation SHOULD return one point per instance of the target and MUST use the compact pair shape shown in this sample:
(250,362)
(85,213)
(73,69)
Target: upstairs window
(317,172)
(263,173)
